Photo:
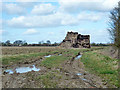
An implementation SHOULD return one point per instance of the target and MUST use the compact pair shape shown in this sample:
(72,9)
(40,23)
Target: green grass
(6,60)
(101,65)
(50,79)
(54,61)
(12,59)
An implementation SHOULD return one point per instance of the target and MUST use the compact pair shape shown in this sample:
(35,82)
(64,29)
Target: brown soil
(85,80)
(69,78)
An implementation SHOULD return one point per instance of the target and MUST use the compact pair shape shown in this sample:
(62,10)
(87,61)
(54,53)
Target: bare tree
(114,28)
(114,31)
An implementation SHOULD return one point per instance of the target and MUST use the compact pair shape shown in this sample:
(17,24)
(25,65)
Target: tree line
(24,43)
(101,44)
(40,43)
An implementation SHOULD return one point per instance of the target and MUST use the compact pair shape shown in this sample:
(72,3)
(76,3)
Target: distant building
(75,40)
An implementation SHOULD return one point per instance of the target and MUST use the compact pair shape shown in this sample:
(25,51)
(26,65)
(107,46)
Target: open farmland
(57,68)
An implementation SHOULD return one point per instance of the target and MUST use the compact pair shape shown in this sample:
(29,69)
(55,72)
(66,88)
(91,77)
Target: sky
(40,20)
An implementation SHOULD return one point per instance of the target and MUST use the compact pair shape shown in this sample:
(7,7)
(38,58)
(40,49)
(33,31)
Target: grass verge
(101,65)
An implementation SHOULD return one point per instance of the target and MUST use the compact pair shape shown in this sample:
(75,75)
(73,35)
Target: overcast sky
(35,21)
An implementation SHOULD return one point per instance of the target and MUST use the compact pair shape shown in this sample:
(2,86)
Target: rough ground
(111,52)
(85,80)
(61,77)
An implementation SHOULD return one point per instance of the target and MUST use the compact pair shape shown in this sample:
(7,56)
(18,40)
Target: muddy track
(72,69)
(21,80)
(82,79)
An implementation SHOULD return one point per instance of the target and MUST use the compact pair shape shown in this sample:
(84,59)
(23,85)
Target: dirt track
(69,78)
(84,79)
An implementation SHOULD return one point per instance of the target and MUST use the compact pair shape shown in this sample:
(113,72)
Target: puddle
(23,69)
(9,71)
(85,80)
(48,56)
(78,57)
(60,54)
(79,74)
(27,69)
(88,81)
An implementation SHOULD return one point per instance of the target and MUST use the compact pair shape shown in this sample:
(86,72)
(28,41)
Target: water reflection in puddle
(79,74)
(9,71)
(23,69)
(60,54)
(48,56)
(27,69)
(78,57)
(84,79)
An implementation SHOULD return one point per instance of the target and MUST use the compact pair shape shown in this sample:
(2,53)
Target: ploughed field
(55,67)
